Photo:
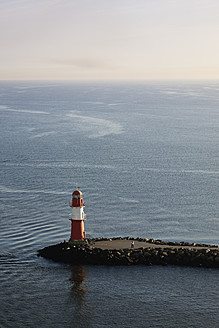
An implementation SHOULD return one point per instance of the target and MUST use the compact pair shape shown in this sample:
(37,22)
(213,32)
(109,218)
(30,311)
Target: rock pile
(178,254)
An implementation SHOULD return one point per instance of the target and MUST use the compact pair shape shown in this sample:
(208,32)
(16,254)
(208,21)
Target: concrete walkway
(124,243)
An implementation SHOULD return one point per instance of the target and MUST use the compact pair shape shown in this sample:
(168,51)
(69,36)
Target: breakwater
(147,252)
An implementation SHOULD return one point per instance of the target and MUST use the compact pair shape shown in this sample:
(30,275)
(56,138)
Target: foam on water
(95,127)
(43,134)
(26,111)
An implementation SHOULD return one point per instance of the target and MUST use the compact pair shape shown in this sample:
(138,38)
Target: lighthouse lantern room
(78,216)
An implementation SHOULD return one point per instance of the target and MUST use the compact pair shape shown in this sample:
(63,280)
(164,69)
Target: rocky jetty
(145,252)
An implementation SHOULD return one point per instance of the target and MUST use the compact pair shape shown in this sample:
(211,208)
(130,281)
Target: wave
(129,200)
(5,189)
(96,127)
(6,256)
(113,104)
(190,93)
(189,171)
(35,86)
(42,134)
(92,102)
(24,110)
(64,165)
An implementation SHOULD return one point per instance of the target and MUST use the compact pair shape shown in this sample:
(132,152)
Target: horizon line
(111,80)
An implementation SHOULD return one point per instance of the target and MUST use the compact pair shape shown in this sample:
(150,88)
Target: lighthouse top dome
(77,200)
(77,193)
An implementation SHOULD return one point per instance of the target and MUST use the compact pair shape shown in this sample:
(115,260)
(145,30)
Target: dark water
(146,159)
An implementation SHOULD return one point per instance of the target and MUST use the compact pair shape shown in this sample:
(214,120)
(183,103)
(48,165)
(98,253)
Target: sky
(109,39)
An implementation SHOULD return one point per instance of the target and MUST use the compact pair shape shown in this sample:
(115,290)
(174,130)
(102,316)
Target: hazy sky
(109,39)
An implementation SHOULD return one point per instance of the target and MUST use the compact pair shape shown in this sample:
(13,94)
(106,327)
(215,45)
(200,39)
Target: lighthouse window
(75,196)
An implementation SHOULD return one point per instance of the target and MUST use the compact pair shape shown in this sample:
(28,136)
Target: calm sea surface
(146,157)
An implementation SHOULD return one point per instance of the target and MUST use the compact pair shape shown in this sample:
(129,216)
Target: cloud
(83,62)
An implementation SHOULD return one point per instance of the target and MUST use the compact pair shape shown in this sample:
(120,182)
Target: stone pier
(121,251)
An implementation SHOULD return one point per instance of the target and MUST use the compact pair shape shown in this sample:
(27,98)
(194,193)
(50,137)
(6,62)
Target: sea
(146,157)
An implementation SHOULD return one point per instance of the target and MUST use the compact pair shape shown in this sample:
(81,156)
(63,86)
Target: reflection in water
(80,317)
(79,289)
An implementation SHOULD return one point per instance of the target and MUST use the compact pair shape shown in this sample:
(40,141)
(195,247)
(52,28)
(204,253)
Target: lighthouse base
(78,242)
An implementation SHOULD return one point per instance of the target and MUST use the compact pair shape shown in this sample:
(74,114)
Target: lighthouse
(78,217)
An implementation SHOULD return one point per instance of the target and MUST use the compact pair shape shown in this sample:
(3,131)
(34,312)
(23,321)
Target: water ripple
(5,189)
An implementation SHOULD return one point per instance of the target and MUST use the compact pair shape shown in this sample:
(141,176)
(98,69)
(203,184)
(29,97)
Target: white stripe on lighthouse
(78,213)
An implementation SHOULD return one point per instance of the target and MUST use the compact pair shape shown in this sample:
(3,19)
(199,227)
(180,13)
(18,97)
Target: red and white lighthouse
(78,216)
